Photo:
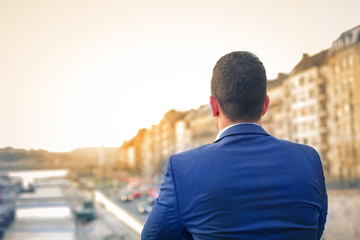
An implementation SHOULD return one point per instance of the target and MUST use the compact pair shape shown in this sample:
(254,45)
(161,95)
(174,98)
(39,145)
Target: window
(322,89)
(303,96)
(311,93)
(348,151)
(295,128)
(304,126)
(339,112)
(351,61)
(323,105)
(343,62)
(323,138)
(296,83)
(312,109)
(323,122)
(301,81)
(303,111)
(295,113)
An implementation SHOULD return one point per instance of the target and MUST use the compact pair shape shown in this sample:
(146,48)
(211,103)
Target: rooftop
(308,61)
(277,81)
(346,39)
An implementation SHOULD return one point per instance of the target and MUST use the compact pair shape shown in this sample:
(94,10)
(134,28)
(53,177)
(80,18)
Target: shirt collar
(224,129)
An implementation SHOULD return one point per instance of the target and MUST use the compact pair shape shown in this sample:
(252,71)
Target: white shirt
(224,129)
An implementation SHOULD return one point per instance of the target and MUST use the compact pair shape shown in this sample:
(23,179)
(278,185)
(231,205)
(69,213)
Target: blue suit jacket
(245,185)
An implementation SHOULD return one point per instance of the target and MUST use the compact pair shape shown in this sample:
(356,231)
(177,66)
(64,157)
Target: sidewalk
(343,215)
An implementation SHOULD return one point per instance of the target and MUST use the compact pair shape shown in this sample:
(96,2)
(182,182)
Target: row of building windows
(344,63)
(307,141)
(310,125)
(304,126)
(308,110)
(308,94)
(346,84)
(342,109)
(345,151)
(302,81)
(341,130)
(314,141)
(304,95)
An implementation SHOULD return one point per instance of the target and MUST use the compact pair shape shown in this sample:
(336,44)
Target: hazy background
(86,73)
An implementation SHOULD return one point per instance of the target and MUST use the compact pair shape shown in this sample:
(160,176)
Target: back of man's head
(239,85)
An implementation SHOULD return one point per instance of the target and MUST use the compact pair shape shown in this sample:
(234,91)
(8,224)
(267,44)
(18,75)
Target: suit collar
(243,128)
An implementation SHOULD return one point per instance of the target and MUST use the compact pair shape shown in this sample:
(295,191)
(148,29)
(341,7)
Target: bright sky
(79,73)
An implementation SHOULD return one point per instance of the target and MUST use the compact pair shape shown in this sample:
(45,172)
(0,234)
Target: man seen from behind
(247,184)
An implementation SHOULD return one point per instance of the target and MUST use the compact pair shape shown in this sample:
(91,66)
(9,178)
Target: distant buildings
(149,150)
(298,108)
(344,103)
(317,103)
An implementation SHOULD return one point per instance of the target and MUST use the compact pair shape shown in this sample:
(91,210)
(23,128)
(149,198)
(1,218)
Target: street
(47,213)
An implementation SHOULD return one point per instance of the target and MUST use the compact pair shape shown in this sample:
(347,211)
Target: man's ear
(214,106)
(266,105)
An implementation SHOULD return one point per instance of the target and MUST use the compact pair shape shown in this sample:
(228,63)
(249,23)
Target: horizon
(40,149)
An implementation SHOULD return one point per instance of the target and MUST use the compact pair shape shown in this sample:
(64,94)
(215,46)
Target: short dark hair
(239,85)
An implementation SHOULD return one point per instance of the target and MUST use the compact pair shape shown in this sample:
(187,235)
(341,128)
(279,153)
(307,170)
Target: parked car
(126,196)
(144,207)
(85,212)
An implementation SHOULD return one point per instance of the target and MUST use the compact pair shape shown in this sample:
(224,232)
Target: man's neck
(225,122)
(221,131)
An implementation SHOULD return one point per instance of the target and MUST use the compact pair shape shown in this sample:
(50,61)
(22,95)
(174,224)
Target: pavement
(343,215)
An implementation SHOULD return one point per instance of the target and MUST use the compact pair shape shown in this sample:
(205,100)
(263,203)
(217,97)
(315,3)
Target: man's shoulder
(190,156)
(303,148)
(302,154)
(204,149)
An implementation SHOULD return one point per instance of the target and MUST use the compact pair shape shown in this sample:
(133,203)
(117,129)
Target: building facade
(318,104)
(344,91)
(276,118)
